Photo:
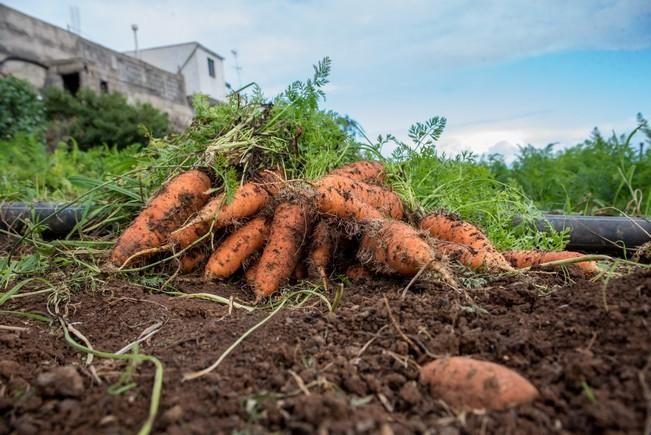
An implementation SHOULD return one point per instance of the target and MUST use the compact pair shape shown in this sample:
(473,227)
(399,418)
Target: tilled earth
(307,370)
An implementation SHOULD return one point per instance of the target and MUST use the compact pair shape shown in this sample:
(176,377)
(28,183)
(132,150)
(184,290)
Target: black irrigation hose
(600,233)
(587,233)
(59,219)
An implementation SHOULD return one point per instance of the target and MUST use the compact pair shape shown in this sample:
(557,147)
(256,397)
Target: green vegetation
(93,119)
(31,172)
(21,109)
(234,140)
(429,181)
(599,176)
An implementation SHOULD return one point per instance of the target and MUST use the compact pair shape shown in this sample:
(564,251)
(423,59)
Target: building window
(211,67)
(71,82)
(103,86)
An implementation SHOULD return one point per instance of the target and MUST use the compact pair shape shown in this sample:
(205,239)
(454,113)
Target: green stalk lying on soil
(157,388)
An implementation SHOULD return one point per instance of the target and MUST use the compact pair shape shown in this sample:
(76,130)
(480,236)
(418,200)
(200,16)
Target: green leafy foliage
(21,109)
(249,132)
(31,172)
(428,180)
(599,176)
(94,119)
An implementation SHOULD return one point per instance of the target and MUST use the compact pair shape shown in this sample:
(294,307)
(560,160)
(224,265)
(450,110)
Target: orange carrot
(169,208)
(250,271)
(247,201)
(467,384)
(357,272)
(394,246)
(384,200)
(363,170)
(192,259)
(321,249)
(482,254)
(281,254)
(329,201)
(300,272)
(522,259)
(271,180)
(238,246)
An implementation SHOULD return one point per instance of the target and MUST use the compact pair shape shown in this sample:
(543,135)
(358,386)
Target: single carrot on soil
(467,384)
(444,226)
(169,208)
(281,254)
(238,246)
(247,201)
(521,259)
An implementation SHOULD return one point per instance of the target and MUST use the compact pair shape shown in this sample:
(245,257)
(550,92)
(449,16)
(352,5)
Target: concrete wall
(192,59)
(170,58)
(215,87)
(24,38)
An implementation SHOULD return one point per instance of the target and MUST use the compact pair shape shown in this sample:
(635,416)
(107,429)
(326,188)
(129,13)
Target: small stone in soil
(410,393)
(61,381)
(172,415)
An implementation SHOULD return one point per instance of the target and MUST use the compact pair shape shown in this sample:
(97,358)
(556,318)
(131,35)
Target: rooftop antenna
(75,20)
(238,68)
(134,27)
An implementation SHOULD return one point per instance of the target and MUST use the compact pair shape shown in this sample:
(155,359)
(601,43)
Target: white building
(202,68)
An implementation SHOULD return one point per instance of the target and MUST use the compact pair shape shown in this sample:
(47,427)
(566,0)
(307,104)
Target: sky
(504,73)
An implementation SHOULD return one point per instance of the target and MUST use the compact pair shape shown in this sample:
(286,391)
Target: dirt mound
(352,371)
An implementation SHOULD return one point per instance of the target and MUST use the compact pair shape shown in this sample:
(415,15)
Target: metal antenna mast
(75,20)
(134,27)
(238,69)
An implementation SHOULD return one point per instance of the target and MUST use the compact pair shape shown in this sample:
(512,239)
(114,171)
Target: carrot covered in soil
(192,259)
(247,201)
(250,271)
(238,246)
(522,259)
(321,250)
(467,384)
(357,272)
(169,208)
(281,254)
(482,253)
(330,201)
(300,272)
(394,246)
(364,170)
(384,200)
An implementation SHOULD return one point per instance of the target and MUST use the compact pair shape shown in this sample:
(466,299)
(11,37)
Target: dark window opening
(71,82)
(211,67)
(103,86)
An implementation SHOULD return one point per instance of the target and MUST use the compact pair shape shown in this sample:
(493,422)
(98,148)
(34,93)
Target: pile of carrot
(275,232)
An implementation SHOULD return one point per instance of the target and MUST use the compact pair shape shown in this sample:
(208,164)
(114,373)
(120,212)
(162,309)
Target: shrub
(603,175)
(101,119)
(21,109)
(31,172)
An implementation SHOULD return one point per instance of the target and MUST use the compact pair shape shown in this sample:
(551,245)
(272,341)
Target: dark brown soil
(351,371)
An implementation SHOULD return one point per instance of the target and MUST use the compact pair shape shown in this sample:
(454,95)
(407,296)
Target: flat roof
(195,43)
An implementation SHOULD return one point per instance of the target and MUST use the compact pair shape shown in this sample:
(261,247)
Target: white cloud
(378,45)
(278,39)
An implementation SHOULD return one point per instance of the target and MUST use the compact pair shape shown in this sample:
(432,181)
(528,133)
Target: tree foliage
(21,109)
(600,175)
(94,119)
